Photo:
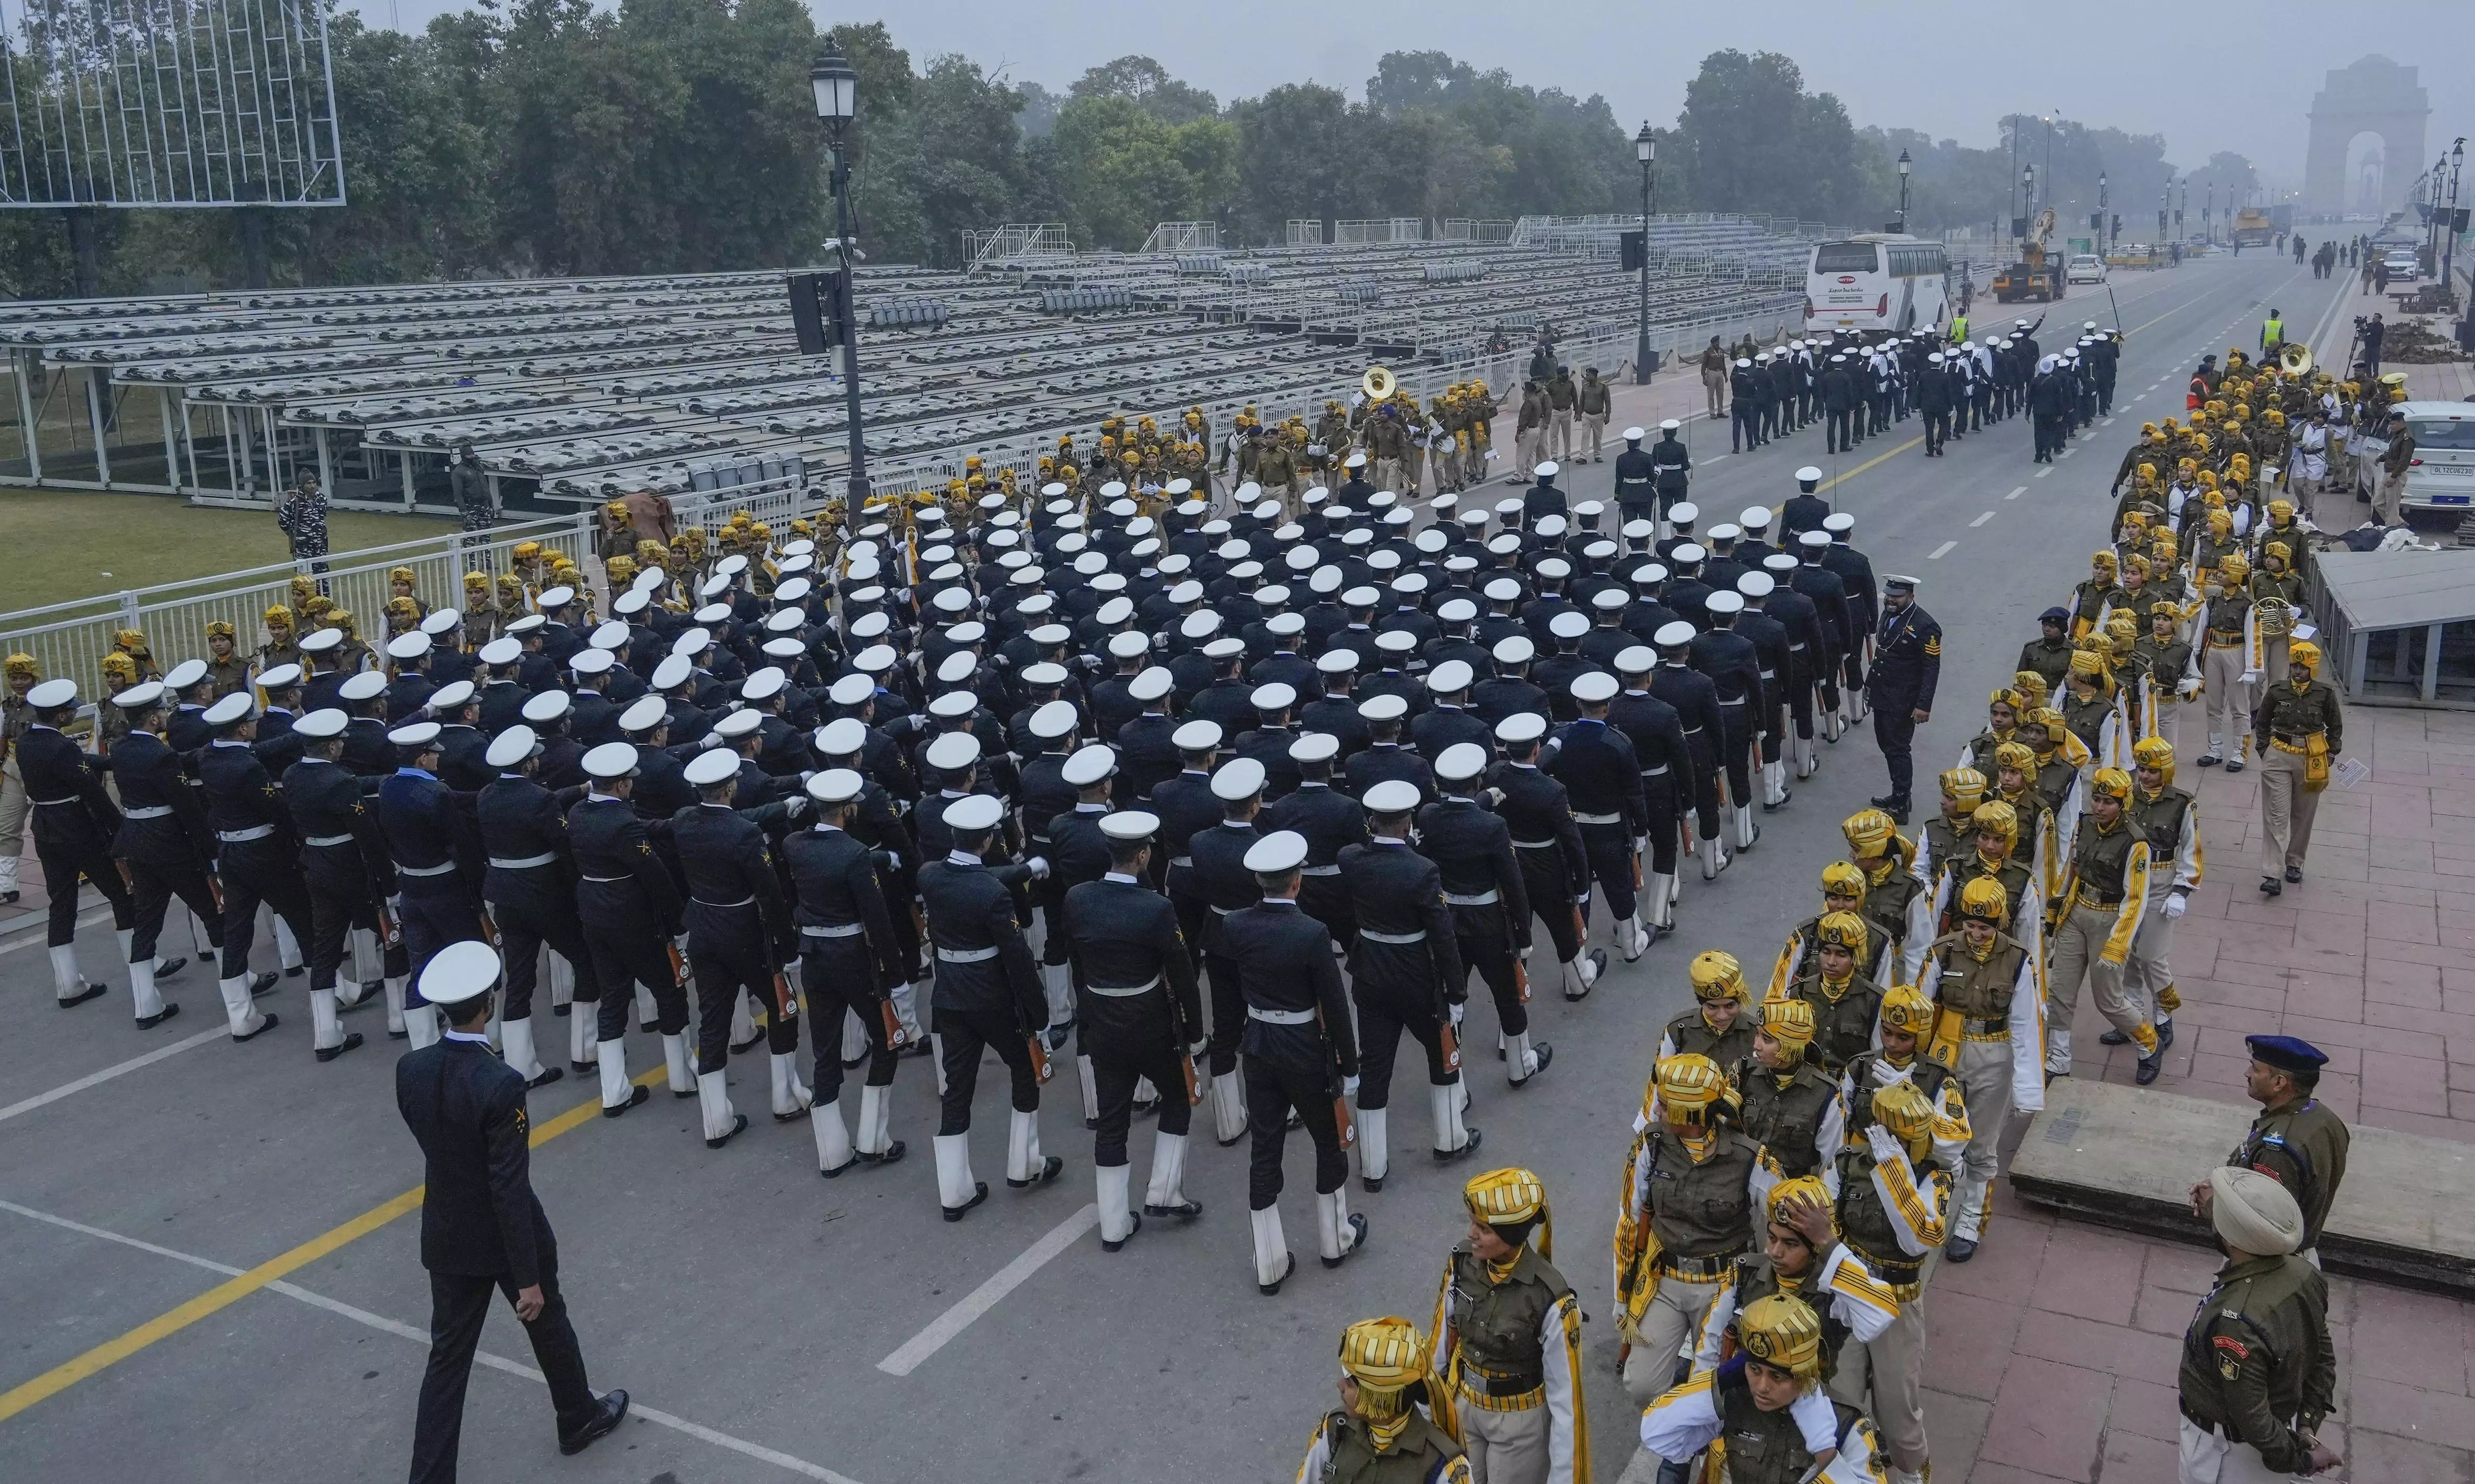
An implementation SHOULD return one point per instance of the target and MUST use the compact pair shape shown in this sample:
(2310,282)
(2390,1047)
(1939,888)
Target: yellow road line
(1878,458)
(224,1295)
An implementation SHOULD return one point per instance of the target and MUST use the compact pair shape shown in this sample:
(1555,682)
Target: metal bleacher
(577,390)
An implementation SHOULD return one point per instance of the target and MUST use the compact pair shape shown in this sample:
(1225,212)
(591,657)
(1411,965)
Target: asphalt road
(209,1273)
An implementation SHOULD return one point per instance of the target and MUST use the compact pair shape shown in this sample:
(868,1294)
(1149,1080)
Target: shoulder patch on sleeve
(1934,647)
(2229,1344)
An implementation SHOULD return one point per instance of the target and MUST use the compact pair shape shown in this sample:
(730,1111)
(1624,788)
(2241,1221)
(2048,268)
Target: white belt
(1373,936)
(154,812)
(1796,648)
(1319,870)
(425,870)
(330,839)
(1769,674)
(236,837)
(1125,991)
(1535,844)
(1582,818)
(1186,861)
(505,864)
(1738,701)
(53,803)
(1653,772)
(965,955)
(745,901)
(1222,911)
(832,928)
(1486,898)
(1692,731)
(609,881)
(1280,1017)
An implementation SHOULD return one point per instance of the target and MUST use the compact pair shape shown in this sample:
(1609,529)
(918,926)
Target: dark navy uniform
(1482,885)
(442,900)
(1405,971)
(1298,1044)
(1136,1002)
(1839,633)
(1735,670)
(1381,762)
(1668,775)
(530,887)
(1554,864)
(739,929)
(849,958)
(75,821)
(259,859)
(1221,879)
(1331,821)
(629,908)
(1597,767)
(1908,666)
(988,992)
(1696,700)
(165,841)
(344,861)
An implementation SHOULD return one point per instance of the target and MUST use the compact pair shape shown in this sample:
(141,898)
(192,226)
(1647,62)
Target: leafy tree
(1149,86)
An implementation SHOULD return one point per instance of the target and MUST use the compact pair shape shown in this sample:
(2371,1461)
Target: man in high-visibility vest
(1958,328)
(2272,334)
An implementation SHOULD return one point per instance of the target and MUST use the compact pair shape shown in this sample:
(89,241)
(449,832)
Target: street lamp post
(1644,148)
(2449,243)
(1905,164)
(2100,213)
(836,85)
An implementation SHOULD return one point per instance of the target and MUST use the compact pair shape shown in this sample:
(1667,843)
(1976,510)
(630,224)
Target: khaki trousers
(1675,1316)
(1594,428)
(1892,1369)
(1387,477)
(1506,1448)
(2079,948)
(1559,433)
(2228,699)
(13,808)
(1413,468)
(2146,973)
(1714,391)
(2286,813)
(2389,504)
(1528,451)
(2208,1458)
(2272,658)
(1985,1083)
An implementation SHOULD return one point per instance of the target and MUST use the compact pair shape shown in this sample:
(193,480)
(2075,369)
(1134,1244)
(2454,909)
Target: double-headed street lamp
(1905,165)
(1644,148)
(2449,243)
(836,85)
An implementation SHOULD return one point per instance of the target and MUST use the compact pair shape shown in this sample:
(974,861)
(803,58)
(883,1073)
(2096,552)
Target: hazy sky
(2206,77)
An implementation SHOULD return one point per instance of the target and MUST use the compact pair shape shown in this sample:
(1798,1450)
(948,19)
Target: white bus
(1877,281)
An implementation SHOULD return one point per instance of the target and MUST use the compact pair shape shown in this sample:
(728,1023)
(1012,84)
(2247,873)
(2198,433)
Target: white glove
(794,806)
(1038,867)
(711,739)
(1641,844)
(1458,1011)
(2176,904)
(1349,1086)
(1886,1145)
(2250,675)
(2188,689)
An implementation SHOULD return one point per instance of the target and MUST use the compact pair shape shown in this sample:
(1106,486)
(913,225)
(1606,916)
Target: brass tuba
(1379,384)
(2294,360)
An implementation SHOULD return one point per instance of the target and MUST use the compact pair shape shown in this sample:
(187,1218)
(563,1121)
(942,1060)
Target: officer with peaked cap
(1735,670)
(162,845)
(1406,974)
(1329,821)
(1839,634)
(1216,868)
(1855,572)
(628,904)
(850,960)
(2297,1140)
(1636,478)
(481,1227)
(1669,780)
(1509,1335)
(258,858)
(1554,865)
(1482,884)
(1301,1056)
(1142,1017)
(1544,497)
(1696,702)
(1804,510)
(1379,1430)
(1596,762)
(530,889)
(987,995)
(438,902)
(1907,667)
(1077,852)
(345,866)
(739,936)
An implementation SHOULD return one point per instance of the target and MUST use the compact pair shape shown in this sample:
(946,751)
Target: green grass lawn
(56,545)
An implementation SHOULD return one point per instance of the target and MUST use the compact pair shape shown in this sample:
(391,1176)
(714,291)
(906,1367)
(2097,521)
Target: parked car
(2087,268)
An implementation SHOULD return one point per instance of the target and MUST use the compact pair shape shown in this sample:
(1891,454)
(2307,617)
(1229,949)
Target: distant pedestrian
(302,513)
(481,1226)
(471,486)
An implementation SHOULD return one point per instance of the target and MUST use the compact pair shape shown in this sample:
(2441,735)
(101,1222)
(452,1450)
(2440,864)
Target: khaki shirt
(2302,1146)
(2257,1359)
(2292,715)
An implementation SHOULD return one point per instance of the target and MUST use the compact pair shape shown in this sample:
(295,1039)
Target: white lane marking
(402,1331)
(118,1069)
(916,1350)
(2016,494)
(2042,472)
(2067,452)
(2107,423)
(2142,397)
(28,938)
(1980,519)
(1936,554)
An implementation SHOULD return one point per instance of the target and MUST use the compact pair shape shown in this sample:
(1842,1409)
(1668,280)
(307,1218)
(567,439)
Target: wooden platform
(2127,1158)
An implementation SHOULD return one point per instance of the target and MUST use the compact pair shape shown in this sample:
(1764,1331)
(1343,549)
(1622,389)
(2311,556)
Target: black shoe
(738,1126)
(331,1053)
(1448,1156)
(169,967)
(1958,1250)
(2270,885)
(2210,760)
(1288,1265)
(1598,959)
(741,1048)
(689,1093)
(296,971)
(89,992)
(260,1031)
(2294,873)
(635,1095)
(1358,1229)
(607,1414)
(2114,1038)
(1136,1217)
(583,1068)
(560,1011)
(144,1022)
(1546,1053)
(1186,1210)
(398,1036)
(1048,1168)
(836,1172)
(887,1155)
(1785,794)
(1057,1034)
(2164,1032)
(1295,1121)
(979,1193)
(2234,764)
(261,983)
(549,1075)
(1373,1183)
(1889,801)
(371,993)
(1242,1129)
(8,898)
(2149,1067)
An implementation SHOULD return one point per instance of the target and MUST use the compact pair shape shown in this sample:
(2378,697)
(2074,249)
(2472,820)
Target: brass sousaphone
(2294,360)
(1379,384)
